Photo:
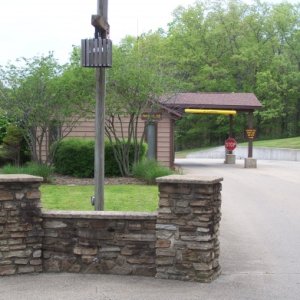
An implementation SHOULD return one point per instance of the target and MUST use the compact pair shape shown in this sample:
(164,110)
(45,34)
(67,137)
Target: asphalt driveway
(260,246)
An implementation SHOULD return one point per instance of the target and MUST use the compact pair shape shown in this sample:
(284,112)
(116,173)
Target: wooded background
(208,47)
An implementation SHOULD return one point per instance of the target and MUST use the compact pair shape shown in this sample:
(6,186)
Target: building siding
(86,129)
(163,140)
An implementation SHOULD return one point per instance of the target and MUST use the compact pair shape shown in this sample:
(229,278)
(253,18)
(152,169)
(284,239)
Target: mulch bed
(69,180)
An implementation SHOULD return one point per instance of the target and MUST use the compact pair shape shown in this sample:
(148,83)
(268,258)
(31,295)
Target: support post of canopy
(230,126)
(229,156)
(250,141)
(250,162)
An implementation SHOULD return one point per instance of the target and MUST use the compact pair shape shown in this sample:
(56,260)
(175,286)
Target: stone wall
(20,224)
(180,241)
(99,242)
(188,227)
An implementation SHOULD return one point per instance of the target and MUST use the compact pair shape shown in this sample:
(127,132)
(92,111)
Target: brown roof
(235,101)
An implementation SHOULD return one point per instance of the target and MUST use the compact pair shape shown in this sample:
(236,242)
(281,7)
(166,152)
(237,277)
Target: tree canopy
(211,46)
(235,47)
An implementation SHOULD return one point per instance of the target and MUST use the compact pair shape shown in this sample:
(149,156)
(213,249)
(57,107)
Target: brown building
(171,109)
(164,131)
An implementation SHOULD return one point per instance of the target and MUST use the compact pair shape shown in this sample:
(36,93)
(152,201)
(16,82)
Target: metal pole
(230,129)
(151,139)
(102,10)
(230,126)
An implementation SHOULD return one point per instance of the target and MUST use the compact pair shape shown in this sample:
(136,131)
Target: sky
(34,27)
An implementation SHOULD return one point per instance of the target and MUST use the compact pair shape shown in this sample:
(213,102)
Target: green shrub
(11,149)
(30,168)
(14,148)
(149,170)
(75,157)
(111,165)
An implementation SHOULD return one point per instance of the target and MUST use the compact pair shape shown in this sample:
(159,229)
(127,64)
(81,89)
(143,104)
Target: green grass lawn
(116,197)
(290,143)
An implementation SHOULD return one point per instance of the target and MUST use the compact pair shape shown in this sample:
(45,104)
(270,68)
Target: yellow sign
(250,133)
(210,111)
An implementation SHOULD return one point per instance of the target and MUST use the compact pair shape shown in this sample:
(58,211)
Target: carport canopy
(240,102)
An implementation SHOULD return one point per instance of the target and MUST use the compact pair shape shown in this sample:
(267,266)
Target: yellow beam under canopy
(210,111)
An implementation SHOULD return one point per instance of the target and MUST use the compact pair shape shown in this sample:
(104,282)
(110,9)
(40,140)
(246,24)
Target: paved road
(262,153)
(260,246)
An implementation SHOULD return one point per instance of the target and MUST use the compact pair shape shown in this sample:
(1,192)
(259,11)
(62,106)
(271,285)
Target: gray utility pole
(97,53)
(102,11)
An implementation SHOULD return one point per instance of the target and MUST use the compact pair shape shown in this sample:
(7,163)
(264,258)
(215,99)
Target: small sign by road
(250,133)
(230,144)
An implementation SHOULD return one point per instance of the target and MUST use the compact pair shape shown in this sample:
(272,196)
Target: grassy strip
(30,168)
(290,143)
(117,197)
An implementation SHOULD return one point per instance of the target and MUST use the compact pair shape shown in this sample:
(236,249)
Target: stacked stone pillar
(20,225)
(187,228)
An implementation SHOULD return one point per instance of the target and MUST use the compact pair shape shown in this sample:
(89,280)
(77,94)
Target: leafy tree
(135,83)
(4,122)
(224,47)
(235,47)
(209,47)
(44,99)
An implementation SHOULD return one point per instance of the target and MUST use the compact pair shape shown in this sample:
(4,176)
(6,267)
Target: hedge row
(75,157)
